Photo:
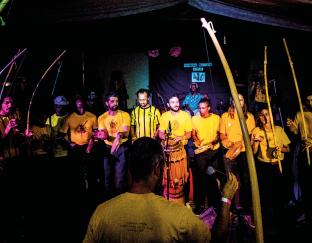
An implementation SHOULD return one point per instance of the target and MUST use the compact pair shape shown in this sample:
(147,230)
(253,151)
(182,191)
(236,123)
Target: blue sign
(190,64)
(198,69)
(209,64)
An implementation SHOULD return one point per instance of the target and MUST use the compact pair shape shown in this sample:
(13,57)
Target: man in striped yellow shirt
(145,118)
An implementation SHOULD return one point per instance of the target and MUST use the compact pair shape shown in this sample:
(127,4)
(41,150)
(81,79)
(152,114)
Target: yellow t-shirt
(232,127)
(80,127)
(57,122)
(113,125)
(146,121)
(299,125)
(206,128)
(281,139)
(40,135)
(9,145)
(145,218)
(180,124)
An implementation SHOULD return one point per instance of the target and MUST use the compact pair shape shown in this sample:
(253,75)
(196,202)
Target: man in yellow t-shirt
(144,118)
(80,124)
(115,123)
(231,132)
(178,123)
(205,133)
(57,120)
(304,170)
(141,216)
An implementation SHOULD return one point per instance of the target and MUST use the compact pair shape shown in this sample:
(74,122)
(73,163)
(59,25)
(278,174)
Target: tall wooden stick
(250,156)
(28,114)
(298,94)
(269,104)
(3,3)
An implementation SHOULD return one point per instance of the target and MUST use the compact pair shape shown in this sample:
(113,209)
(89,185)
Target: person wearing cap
(59,144)
(191,101)
(57,119)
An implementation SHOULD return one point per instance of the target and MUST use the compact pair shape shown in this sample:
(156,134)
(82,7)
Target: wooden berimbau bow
(250,156)
(298,94)
(28,114)
(269,106)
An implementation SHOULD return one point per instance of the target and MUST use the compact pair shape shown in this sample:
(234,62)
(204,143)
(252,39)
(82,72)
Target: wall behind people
(133,67)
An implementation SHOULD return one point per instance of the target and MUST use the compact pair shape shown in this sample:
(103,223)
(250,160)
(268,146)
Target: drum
(234,150)
(177,169)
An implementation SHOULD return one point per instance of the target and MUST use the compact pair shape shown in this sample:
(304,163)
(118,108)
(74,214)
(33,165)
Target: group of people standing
(82,141)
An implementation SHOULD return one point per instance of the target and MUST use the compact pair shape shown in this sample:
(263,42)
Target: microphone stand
(167,159)
(277,105)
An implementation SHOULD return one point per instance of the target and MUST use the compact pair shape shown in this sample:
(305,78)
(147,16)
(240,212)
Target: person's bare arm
(257,138)
(156,133)
(225,140)
(132,133)
(284,149)
(125,132)
(186,136)
(189,109)
(221,225)
(12,123)
(197,141)
(291,125)
(162,134)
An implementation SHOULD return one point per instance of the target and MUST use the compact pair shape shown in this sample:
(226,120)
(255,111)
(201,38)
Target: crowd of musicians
(89,148)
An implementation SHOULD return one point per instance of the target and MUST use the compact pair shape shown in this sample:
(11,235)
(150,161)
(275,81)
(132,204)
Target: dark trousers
(240,166)
(120,159)
(305,182)
(81,171)
(270,186)
(204,184)
(14,189)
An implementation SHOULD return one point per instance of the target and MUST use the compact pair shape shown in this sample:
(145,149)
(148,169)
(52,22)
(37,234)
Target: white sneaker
(249,221)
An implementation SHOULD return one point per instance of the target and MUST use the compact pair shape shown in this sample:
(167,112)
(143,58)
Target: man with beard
(141,216)
(231,135)
(180,127)
(80,124)
(115,124)
(304,170)
(206,135)
(145,118)
(191,101)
